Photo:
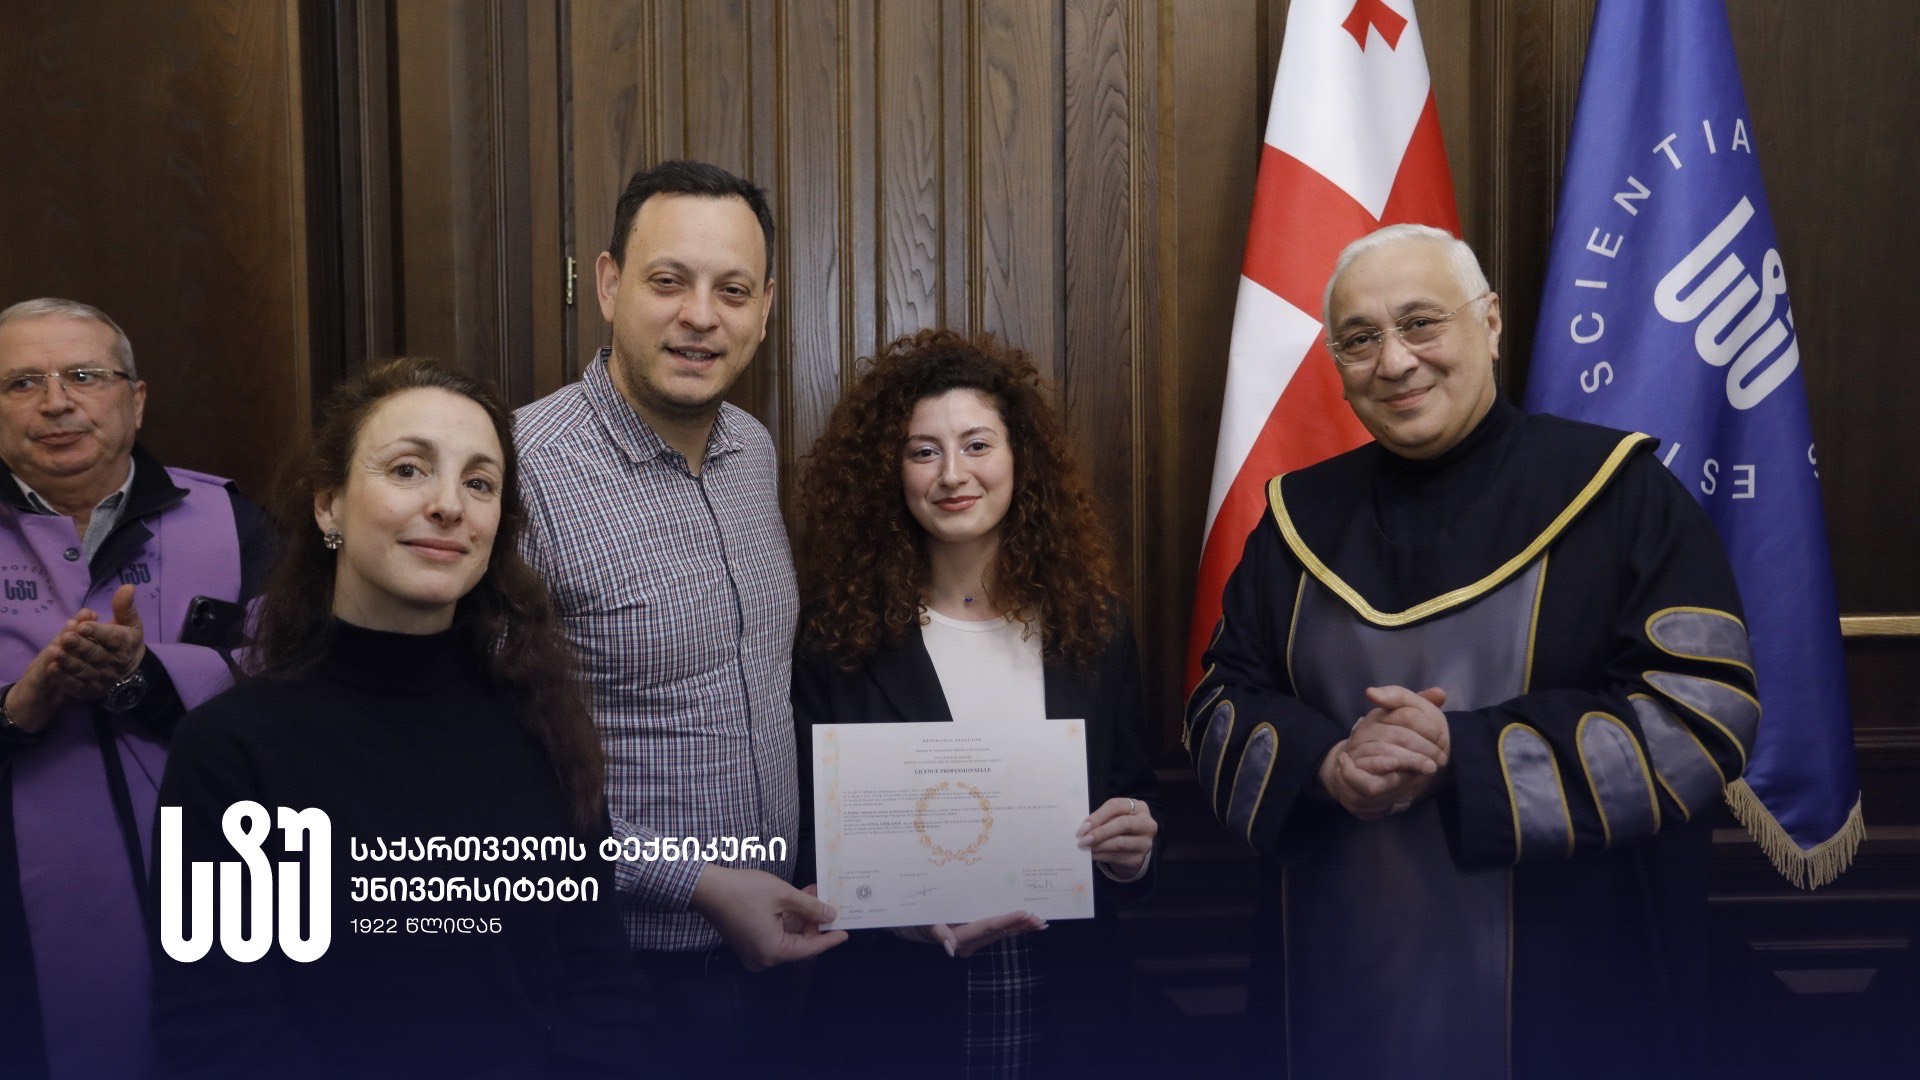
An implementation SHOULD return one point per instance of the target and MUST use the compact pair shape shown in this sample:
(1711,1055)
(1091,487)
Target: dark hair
(686,178)
(514,630)
(862,557)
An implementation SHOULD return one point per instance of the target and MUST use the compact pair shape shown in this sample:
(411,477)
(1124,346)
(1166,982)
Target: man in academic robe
(1476,688)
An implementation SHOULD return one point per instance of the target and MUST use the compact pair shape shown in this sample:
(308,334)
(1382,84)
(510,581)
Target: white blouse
(987,670)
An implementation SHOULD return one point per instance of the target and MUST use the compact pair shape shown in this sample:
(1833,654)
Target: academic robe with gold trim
(1542,914)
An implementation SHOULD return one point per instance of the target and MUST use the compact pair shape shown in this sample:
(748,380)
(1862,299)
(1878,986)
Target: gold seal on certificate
(969,854)
(926,823)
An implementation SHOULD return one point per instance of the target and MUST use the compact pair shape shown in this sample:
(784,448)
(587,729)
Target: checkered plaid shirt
(678,592)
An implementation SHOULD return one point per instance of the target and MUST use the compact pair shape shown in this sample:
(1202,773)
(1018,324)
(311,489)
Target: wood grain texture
(1513,201)
(446,164)
(1829,91)
(507,217)
(1017,162)
(913,166)
(1220,69)
(1880,626)
(1100,365)
(960,195)
(715,83)
(813,209)
(1165,546)
(158,173)
(862,190)
(547,363)
(616,119)
(366,121)
(1447,27)
(1152,541)
(428,209)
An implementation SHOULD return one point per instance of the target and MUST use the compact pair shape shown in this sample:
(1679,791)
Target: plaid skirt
(1003,989)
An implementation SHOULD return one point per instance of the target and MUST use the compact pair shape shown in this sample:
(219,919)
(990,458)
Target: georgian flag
(1352,143)
(1666,311)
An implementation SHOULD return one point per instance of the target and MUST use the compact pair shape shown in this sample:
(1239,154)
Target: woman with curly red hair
(952,568)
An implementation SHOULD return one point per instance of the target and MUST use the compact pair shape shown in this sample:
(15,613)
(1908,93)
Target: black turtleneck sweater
(395,736)
(1420,500)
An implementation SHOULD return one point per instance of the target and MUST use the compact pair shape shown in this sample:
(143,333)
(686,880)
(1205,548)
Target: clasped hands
(1119,834)
(1396,754)
(82,662)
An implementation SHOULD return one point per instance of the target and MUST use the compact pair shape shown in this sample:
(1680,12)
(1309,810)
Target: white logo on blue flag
(1666,310)
(1760,351)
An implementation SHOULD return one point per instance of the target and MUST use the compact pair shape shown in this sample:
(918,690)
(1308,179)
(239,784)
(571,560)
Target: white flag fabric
(1352,143)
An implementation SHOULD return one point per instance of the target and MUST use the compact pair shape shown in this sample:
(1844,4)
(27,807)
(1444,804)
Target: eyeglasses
(1363,345)
(85,381)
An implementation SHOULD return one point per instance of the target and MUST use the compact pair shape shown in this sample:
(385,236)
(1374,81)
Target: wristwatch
(10,731)
(126,693)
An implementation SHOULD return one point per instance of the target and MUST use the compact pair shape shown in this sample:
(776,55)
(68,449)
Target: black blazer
(877,994)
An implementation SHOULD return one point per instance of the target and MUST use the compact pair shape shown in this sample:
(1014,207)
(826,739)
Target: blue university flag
(1665,311)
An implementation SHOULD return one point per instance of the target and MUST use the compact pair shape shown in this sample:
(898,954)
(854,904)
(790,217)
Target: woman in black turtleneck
(410,681)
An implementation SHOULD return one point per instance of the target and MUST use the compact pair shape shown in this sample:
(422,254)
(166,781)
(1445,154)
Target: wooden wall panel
(861,106)
(462,197)
(985,165)
(1110,289)
(1526,75)
(1839,158)
(1101,382)
(645,81)
(546,269)
(367,304)
(815,328)
(958,52)
(1216,78)
(914,168)
(912,150)
(1450,32)
(1838,152)
(156,169)
(427,205)
(1016,155)
(715,80)
(615,73)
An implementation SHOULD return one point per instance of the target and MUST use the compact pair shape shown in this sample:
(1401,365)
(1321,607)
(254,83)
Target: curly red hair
(861,556)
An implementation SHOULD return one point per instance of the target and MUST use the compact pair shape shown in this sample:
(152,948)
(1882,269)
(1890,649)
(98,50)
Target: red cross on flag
(1352,143)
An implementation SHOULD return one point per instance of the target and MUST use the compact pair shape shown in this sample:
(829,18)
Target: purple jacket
(77,806)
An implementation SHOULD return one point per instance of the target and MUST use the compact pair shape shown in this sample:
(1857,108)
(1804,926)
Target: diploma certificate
(948,823)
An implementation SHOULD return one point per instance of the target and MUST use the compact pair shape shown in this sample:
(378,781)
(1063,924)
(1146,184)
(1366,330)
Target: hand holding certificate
(943,823)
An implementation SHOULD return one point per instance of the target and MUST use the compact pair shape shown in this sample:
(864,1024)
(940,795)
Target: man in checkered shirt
(654,514)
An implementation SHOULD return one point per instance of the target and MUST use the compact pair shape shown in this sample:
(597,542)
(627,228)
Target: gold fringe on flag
(1807,868)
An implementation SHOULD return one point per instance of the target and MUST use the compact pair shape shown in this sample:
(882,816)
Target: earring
(333,541)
